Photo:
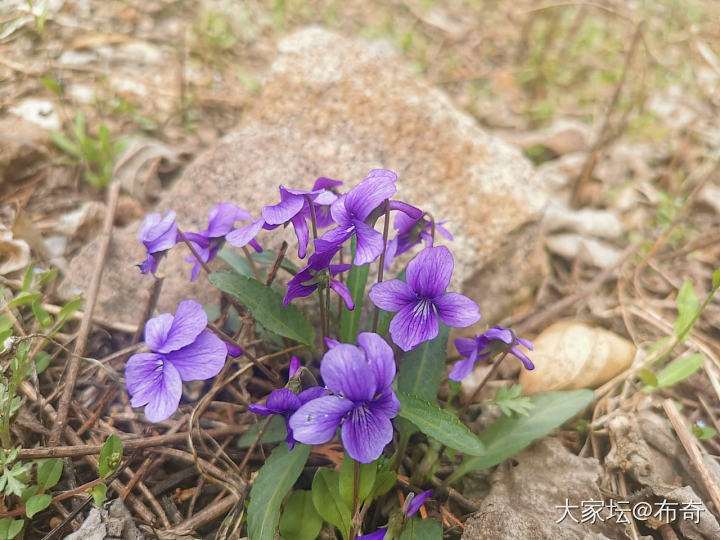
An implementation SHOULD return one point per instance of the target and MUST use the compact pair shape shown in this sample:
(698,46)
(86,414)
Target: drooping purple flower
(351,210)
(208,242)
(307,280)
(181,349)
(422,300)
(481,346)
(157,235)
(411,231)
(411,507)
(362,404)
(285,402)
(294,208)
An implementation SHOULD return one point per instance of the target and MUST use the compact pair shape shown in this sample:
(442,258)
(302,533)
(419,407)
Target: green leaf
(356,282)
(79,127)
(51,84)
(49,472)
(99,494)
(65,144)
(439,424)
(42,316)
(679,370)
(30,491)
(509,435)
(421,529)
(71,307)
(14,480)
(300,520)
(510,401)
(275,432)
(110,457)
(421,370)
(10,528)
(272,483)
(648,378)
(716,279)
(328,502)
(37,503)
(687,306)
(367,475)
(24,298)
(266,307)
(703,432)
(384,482)
(42,361)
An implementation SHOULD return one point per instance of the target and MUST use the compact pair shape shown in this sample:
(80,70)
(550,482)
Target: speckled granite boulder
(338,107)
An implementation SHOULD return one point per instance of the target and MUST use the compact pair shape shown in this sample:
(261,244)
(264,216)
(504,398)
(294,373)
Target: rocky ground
(572,146)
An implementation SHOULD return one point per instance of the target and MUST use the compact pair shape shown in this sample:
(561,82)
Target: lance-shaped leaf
(272,483)
(509,435)
(443,426)
(266,307)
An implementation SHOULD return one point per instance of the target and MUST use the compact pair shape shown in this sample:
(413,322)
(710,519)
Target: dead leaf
(138,166)
(14,254)
(570,355)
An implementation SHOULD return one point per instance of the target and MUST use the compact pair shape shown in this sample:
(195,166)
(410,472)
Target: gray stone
(524,498)
(338,107)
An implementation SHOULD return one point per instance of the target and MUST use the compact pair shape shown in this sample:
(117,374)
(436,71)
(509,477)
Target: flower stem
(487,377)
(194,253)
(254,269)
(356,490)
(321,293)
(381,269)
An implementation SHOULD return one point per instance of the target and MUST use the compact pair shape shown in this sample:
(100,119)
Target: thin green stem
(324,311)
(381,268)
(356,491)
(485,379)
(251,262)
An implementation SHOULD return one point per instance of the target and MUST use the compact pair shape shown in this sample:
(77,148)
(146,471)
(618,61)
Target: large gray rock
(526,500)
(338,107)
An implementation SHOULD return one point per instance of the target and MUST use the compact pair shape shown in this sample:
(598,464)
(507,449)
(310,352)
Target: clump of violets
(494,340)
(421,301)
(157,235)
(284,401)
(361,403)
(356,400)
(181,349)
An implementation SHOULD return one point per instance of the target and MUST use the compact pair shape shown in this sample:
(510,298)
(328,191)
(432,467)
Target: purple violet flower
(413,505)
(307,280)
(245,235)
(285,402)
(157,235)
(421,300)
(362,404)
(483,345)
(207,243)
(294,208)
(351,210)
(410,232)
(181,350)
